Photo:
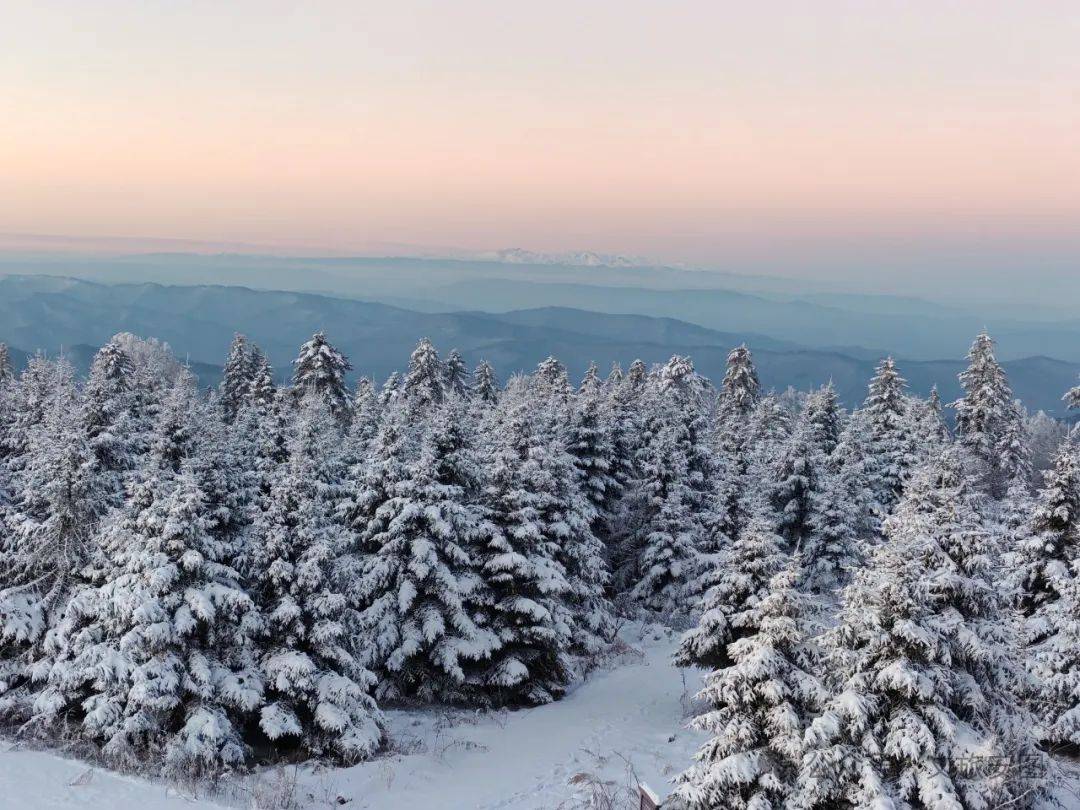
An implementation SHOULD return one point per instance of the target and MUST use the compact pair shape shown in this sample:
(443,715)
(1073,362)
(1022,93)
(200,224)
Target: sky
(834,138)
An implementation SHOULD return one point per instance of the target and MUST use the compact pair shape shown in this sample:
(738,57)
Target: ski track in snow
(623,722)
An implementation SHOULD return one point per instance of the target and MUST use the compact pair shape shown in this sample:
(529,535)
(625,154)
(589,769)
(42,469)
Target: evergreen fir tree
(485,384)
(423,386)
(794,483)
(59,495)
(636,374)
(390,391)
(365,420)
(768,427)
(728,610)
(456,373)
(552,382)
(1056,664)
(926,670)
(668,533)
(589,442)
(1050,547)
(107,417)
(832,549)
(174,434)
(154,660)
(888,453)
(261,391)
(29,400)
(236,381)
(758,707)
(420,587)
(825,419)
(316,690)
(614,377)
(988,423)
(520,567)
(373,483)
(320,373)
(740,386)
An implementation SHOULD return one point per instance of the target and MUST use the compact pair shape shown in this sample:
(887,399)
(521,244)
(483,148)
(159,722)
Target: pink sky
(689,131)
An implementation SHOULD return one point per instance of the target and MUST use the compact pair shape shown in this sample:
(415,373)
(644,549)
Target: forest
(204,581)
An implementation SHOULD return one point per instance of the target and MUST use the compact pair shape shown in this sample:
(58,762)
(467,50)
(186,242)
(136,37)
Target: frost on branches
(207,581)
(925,669)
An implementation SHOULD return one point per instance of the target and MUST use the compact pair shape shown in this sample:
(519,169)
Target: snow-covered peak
(586,258)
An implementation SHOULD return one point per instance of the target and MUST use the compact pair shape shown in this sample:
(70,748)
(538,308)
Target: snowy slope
(40,781)
(624,723)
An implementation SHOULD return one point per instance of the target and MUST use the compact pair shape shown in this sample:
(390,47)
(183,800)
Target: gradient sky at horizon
(829,138)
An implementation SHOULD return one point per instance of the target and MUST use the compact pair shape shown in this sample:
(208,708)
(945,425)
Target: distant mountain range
(813,315)
(56,313)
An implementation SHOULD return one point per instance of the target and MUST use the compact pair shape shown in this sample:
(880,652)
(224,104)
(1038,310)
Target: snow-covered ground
(622,725)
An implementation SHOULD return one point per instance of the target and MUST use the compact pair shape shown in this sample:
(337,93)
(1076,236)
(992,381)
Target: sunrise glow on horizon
(692,132)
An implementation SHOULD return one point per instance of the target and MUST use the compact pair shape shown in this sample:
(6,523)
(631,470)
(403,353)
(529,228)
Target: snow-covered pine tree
(988,423)
(794,482)
(832,549)
(674,532)
(456,375)
(485,385)
(1049,548)
(553,393)
(29,400)
(682,391)
(520,565)
(423,386)
(625,428)
(728,609)
(270,425)
(664,547)
(825,419)
(107,416)
(731,439)
(888,453)
(622,417)
(261,391)
(154,663)
(370,484)
(420,587)
(741,388)
(758,707)
(552,373)
(365,421)
(54,496)
(175,432)
(1014,451)
(768,427)
(1056,664)
(157,372)
(850,461)
(636,375)
(236,380)
(317,693)
(925,670)
(319,371)
(614,377)
(59,494)
(589,442)
(390,391)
